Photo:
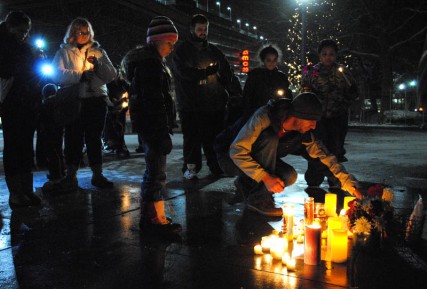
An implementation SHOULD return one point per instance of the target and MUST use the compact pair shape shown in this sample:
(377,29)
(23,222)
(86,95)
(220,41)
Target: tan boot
(153,219)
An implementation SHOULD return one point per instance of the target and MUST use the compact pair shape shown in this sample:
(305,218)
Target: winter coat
(240,150)
(261,86)
(70,63)
(18,60)
(152,108)
(195,90)
(335,92)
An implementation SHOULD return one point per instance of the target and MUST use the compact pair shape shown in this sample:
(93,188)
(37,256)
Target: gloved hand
(159,141)
(212,69)
(87,75)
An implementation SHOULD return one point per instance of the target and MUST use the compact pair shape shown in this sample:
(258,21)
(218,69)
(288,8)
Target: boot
(17,198)
(153,219)
(27,185)
(98,179)
(70,182)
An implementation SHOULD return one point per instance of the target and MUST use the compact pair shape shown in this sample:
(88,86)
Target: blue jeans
(153,186)
(267,151)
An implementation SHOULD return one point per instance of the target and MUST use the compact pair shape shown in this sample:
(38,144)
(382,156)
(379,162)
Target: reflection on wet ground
(91,239)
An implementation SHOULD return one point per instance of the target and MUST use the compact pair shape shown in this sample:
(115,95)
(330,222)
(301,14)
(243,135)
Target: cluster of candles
(320,221)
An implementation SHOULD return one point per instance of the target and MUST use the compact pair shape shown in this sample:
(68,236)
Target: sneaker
(101,182)
(266,207)
(190,174)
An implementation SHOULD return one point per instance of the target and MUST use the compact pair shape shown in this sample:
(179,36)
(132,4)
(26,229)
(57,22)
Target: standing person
(275,130)
(336,89)
(115,124)
(81,60)
(265,82)
(153,115)
(19,108)
(202,74)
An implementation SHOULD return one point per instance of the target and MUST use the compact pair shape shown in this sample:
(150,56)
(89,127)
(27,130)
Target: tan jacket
(240,152)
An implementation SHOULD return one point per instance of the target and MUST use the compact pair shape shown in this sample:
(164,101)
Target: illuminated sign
(244,61)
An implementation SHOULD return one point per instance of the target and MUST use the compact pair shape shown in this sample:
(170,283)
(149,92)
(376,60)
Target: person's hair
(270,49)
(17,18)
(198,19)
(76,25)
(327,43)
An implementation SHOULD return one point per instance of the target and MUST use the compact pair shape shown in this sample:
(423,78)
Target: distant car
(403,116)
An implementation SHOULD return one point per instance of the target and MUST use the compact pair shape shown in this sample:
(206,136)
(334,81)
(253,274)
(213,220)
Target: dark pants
(114,130)
(154,180)
(53,140)
(199,130)
(331,132)
(86,129)
(19,126)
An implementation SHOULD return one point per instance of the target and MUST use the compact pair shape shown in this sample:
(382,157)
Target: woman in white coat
(81,60)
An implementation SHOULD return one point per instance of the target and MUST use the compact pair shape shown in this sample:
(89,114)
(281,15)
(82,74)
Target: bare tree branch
(391,48)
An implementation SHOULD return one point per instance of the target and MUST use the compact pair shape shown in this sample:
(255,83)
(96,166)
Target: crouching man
(275,130)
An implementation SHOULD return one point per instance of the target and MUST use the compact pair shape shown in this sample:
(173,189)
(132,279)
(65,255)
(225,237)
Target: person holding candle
(336,89)
(265,82)
(275,130)
(80,60)
(203,82)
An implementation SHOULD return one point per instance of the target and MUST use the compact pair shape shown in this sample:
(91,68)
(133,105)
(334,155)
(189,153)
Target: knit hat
(306,106)
(160,28)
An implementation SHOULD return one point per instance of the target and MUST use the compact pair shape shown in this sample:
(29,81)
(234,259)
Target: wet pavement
(91,239)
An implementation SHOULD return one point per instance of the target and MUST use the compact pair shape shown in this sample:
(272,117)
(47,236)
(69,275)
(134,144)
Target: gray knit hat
(160,28)
(306,106)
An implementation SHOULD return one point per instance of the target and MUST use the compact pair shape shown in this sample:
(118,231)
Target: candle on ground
(288,219)
(330,204)
(333,223)
(346,200)
(339,246)
(258,250)
(312,244)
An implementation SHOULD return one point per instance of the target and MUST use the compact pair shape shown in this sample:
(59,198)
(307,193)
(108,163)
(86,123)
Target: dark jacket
(261,86)
(336,90)
(19,60)
(151,105)
(197,89)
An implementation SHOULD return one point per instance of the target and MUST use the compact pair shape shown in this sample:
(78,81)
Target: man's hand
(273,184)
(212,68)
(358,194)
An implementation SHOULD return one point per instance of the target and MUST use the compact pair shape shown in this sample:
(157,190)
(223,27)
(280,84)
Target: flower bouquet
(371,217)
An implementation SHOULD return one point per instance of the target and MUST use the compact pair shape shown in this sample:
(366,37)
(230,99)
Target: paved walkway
(91,239)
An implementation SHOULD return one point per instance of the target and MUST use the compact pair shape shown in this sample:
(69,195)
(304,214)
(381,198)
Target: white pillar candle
(266,244)
(331,204)
(288,219)
(258,250)
(291,264)
(312,246)
(339,246)
(346,200)
(285,258)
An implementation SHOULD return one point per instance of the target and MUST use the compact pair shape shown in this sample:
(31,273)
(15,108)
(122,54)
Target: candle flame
(280,92)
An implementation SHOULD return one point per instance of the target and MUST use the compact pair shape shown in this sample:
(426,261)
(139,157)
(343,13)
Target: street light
(219,7)
(229,9)
(240,23)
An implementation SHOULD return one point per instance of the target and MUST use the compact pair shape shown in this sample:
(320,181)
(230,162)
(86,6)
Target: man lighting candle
(275,130)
